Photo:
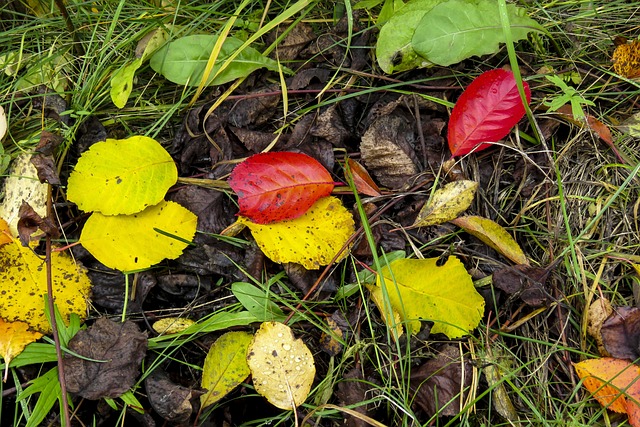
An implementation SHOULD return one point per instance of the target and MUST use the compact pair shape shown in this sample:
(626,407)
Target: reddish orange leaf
(275,187)
(615,383)
(362,180)
(14,337)
(5,234)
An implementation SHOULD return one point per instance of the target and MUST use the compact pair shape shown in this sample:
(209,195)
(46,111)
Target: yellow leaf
(420,289)
(172,325)
(387,311)
(312,239)
(131,242)
(447,203)
(225,366)
(122,176)
(282,366)
(14,337)
(626,59)
(493,235)
(23,285)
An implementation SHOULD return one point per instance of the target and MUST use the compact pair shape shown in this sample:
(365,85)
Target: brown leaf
(30,222)
(171,401)
(353,391)
(362,180)
(621,333)
(524,281)
(599,311)
(118,350)
(438,382)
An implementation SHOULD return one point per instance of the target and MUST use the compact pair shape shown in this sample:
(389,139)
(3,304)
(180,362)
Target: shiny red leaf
(275,187)
(485,112)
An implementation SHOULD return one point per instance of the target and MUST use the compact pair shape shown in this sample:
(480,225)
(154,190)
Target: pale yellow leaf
(493,235)
(3,123)
(14,337)
(172,325)
(131,242)
(312,239)
(225,366)
(420,289)
(282,366)
(447,203)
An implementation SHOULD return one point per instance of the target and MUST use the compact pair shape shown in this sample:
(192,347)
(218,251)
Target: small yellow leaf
(312,239)
(14,337)
(225,366)
(122,83)
(386,310)
(23,285)
(131,242)
(122,176)
(282,366)
(447,203)
(493,235)
(420,289)
(172,325)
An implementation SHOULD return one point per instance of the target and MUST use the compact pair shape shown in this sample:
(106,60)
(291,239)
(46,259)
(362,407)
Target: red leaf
(485,112)
(278,186)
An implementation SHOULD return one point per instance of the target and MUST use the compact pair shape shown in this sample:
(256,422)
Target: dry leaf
(362,180)
(14,337)
(598,312)
(447,203)
(626,59)
(621,333)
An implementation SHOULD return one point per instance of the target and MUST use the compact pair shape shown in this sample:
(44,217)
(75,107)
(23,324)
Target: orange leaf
(362,180)
(615,383)
(14,337)
(5,234)
(626,59)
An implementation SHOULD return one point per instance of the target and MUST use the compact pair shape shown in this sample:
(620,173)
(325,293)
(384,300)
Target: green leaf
(184,60)
(122,83)
(122,176)
(130,242)
(458,29)
(225,366)
(421,289)
(49,388)
(257,302)
(394,50)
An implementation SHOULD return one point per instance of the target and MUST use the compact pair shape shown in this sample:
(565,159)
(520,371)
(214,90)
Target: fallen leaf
(362,180)
(631,125)
(279,186)
(171,401)
(172,325)
(3,123)
(225,366)
(43,159)
(614,383)
(14,337)
(115,351)
(598,312)
(442,383)
(525,282)
(493,235)
(30,222)
(621,333)
(282,366)
(331,342)
(133,242)
(122,176)
(23,285)
(485,112)
(5,233)
(494,373)
(447,203)
(420,289)
(626,59)
(312,239)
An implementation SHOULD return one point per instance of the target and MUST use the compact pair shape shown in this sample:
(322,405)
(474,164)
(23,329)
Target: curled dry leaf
(171,401)
(362,180)
(621,333)
(447,203)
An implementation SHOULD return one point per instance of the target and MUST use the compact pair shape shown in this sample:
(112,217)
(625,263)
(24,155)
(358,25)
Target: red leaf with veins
(278,186)
(485,112)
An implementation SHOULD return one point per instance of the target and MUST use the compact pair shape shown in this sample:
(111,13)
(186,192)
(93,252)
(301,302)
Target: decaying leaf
(138,241)
(447,203)
(225,366)
(494,373)
(282,366)
(171,401)
(626,59)
(631,125)
(621,333)
(312,239)
(421,289)
(440,384)
(131,174)
(14,337)
(493,235)
(279,186)
(598,312)
(614,383)
(172,325)
(116,351)
(524,281)
(23,284)
(22,184)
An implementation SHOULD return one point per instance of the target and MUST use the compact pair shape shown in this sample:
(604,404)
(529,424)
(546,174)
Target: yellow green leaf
(282,366)
(131,242)
(312,239)
(447,203)
(14,337)
(493,235)
(420,289)
(122,83)
(23,285)
(225,366)
(172,325)
(122,176)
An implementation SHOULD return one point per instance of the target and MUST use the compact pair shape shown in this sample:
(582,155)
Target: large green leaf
(458,29)
(184,60)
(122,176)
